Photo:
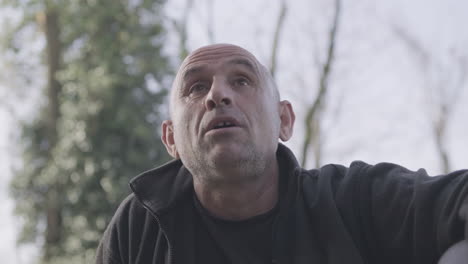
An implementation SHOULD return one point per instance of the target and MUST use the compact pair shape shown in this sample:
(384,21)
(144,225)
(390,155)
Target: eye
(198,88)
(241,81)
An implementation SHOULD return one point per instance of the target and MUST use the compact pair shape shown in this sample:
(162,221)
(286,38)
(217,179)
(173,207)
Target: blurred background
(83,88)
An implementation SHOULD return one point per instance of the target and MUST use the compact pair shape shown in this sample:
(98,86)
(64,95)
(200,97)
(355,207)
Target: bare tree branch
(277,35)
(312,129)
(210,21)
(417,49)
(181,29)
(446,88)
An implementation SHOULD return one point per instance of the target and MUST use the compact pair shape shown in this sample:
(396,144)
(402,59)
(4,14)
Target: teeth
(223,124)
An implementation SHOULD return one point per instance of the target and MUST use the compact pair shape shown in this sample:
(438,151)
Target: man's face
(225,111)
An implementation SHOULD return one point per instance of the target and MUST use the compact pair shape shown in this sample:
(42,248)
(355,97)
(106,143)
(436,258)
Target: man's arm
(417,217)
(458,253)
(104,255)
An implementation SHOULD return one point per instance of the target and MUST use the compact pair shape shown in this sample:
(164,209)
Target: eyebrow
(236,61)
(245,62)
(188,73)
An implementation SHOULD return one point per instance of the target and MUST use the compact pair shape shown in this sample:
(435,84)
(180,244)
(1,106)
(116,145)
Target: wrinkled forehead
(219,54)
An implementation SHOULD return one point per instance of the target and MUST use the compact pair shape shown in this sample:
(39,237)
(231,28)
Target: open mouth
(223,124)
(220,123)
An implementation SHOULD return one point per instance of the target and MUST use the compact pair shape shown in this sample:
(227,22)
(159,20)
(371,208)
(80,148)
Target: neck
(241,200)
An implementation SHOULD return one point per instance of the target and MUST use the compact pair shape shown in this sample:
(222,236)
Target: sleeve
(104,254)
(458,253)
(464,215)
(415,217)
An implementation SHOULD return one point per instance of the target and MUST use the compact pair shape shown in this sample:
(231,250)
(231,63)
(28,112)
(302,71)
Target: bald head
(225,84)
(217,52)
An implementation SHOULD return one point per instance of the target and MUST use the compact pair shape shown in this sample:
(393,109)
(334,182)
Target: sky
(378,108)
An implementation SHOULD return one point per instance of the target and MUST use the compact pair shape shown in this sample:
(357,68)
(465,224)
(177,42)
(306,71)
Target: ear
(287,118)
(168,138)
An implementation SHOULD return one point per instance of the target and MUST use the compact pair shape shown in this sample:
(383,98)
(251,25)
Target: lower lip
(222,130)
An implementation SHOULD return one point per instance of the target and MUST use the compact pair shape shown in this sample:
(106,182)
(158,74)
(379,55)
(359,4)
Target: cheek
(181,129)
(185,127)
(267,121)
(269,113)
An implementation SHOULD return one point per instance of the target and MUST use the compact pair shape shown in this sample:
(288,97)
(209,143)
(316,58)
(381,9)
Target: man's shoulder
(162,188)
(360,175)
(129,210)
(132,228)
(362,169)
(384,179)
(336,171)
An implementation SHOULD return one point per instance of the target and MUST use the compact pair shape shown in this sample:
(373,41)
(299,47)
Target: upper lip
(215,121)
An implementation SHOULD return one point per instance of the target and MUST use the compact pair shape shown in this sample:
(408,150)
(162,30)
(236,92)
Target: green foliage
(108,126)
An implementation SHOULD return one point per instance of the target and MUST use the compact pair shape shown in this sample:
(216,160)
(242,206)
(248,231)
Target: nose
(220,94)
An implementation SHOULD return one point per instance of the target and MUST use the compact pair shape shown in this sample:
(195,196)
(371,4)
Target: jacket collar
(162,188)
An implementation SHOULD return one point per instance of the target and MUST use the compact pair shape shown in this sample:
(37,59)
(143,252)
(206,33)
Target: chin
(241,160)
(227,158)
(227,148)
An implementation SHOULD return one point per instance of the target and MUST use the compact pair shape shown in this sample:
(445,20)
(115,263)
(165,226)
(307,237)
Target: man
(233,194)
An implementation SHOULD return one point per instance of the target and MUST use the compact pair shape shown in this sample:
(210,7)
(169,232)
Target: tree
(443,82)
(277,37)
(312,118)
(180,26)
(99,123)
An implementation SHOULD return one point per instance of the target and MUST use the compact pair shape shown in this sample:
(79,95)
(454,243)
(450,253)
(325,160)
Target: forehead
(218,55)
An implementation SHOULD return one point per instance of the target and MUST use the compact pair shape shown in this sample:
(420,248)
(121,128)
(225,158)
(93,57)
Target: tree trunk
(53,57)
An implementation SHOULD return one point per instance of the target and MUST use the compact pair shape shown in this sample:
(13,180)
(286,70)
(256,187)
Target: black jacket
(361,214)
